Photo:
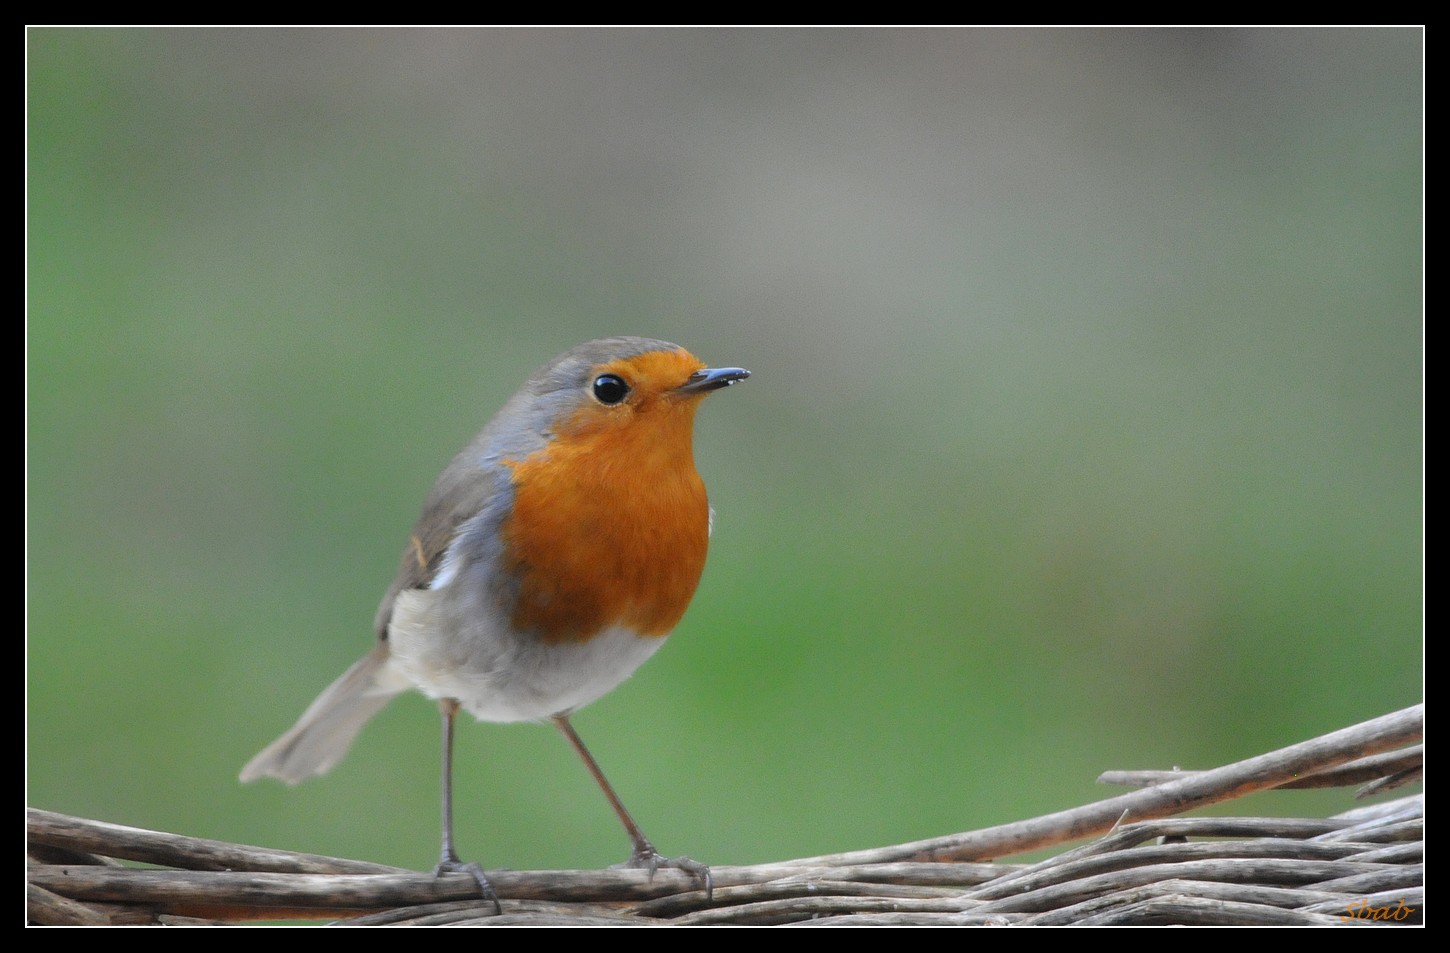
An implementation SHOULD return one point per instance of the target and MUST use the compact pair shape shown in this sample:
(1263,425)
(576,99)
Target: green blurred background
(1085,432)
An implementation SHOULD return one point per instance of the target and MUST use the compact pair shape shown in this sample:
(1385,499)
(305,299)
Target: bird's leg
(449,862)
(644,854)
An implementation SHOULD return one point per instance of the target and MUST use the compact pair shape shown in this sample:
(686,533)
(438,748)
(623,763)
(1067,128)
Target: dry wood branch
(60,831)
(1173,797)
(1362,866)
(1399,766)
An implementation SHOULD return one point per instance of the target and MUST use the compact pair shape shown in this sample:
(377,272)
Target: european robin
(552,557)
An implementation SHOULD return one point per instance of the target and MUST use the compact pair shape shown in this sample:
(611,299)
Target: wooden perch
(1364,866)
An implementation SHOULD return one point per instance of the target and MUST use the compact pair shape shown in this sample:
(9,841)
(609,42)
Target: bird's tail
(326,729)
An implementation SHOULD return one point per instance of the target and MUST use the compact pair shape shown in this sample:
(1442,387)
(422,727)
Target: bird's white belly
(498,675)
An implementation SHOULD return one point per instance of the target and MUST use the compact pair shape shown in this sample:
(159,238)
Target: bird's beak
(707,379)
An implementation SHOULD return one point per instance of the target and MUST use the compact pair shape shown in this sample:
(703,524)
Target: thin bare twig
(1174,797)
(1378,769)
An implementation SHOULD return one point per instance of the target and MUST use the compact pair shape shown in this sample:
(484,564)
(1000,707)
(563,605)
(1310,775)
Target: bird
(552,557)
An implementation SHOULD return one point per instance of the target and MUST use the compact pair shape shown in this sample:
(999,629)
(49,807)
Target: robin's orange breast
(610,525)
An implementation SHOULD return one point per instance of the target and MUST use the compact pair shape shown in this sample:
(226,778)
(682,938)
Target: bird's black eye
(610,389)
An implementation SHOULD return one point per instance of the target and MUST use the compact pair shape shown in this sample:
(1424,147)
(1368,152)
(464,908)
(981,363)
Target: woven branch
(1360,867)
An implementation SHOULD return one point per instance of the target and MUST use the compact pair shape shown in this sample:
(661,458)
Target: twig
(1377,768)
(1174,797)
(176,850)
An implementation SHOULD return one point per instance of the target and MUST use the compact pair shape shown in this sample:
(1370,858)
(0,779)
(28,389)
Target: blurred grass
(1085,431)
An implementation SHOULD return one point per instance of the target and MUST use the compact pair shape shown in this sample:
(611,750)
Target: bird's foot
(452,865)
(645,857)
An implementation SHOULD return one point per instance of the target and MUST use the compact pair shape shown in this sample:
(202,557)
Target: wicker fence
(1140,863)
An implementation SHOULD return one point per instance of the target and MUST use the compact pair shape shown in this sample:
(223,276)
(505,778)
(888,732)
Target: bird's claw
(646,857)
(452,865)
